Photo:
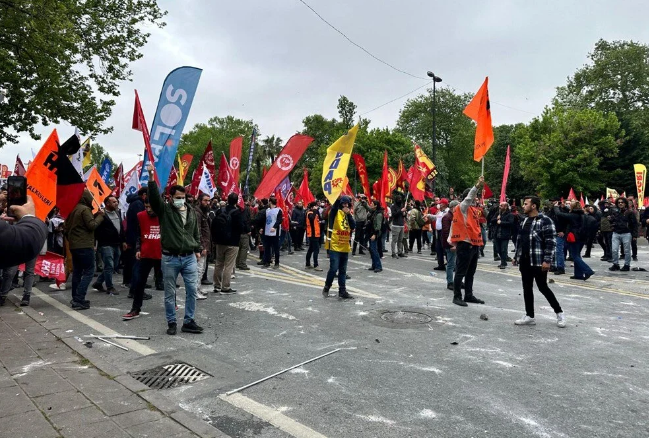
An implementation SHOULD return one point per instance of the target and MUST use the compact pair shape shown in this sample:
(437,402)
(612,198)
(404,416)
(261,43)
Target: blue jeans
(561,260)
(314,248)
(110,257)
(83,263)
(374,253)
(337,263)
(625,240)
(187,267)
(450,265)
(581,268)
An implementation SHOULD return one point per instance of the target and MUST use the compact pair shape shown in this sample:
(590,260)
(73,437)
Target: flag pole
(482,166)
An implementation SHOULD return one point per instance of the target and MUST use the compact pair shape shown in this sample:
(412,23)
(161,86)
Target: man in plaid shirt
(534,251)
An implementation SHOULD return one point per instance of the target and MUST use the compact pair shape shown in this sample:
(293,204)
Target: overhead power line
(395,99)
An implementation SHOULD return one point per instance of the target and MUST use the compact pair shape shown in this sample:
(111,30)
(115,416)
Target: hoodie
(135,205)
(81,224)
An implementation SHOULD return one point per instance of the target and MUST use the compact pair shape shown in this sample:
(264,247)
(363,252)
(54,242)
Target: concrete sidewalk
(49,389)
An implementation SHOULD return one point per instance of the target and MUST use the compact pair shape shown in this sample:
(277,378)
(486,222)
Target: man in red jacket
(149,254)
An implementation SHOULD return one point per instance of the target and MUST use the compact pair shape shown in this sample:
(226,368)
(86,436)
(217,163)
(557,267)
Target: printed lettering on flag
(41,177)
(98,189)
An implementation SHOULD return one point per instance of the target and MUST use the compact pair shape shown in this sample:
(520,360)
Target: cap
(443,201)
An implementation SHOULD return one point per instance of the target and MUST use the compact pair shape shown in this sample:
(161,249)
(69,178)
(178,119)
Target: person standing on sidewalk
(340,225)
(450,250)
(272,231)
(227,229)
(466,236)
(80,228)
(576,237)
(534,251)
(110,243)
(244,240)
(181,249)
(148,253)
(398,222)
(202,216)
(373,230)
(625,228)
(313,234)
(361,212)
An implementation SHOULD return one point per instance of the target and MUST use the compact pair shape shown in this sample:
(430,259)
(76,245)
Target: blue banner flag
(176,99)
(106,170)
(253,141)
(284,187)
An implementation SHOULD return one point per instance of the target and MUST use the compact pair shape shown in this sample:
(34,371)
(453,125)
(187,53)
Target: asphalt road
(440,371)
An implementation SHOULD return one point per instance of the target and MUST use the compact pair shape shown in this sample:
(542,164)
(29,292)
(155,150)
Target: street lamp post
(435,79)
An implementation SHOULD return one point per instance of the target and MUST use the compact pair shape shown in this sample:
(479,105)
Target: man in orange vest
(313,235)
(466,237)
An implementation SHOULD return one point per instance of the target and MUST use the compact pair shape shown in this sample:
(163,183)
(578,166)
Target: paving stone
(58,354)
(92,430)
(162,428)
(118,406)
(131,384)
(72,419)
(42,382)
(28,424)
(18,365)
(7,381)
(197,425)
(137,417)
(60,402)
(14,401)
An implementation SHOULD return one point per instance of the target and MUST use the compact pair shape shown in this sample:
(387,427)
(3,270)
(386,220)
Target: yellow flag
(640,181)
(335,164)
(85,147)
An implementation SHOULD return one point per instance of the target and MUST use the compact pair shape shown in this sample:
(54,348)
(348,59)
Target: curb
(186,419)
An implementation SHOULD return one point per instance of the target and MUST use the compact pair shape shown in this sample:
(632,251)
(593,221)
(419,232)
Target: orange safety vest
(469,230)
(315,231)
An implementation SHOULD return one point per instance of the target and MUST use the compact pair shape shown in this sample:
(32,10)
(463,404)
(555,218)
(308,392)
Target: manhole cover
(406,317)
(170,376)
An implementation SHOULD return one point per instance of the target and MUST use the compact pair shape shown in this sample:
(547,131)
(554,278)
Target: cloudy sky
(276,62)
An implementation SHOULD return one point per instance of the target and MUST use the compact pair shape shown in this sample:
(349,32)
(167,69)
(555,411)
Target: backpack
(222,224)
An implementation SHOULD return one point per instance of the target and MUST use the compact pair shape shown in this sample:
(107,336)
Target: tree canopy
(65,60)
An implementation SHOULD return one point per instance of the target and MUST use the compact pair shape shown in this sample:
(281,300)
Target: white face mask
(179,203)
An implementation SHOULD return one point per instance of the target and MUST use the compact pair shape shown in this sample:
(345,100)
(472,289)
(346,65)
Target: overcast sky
(276,62)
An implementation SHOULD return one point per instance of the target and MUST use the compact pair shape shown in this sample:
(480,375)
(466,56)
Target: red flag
(375,189)
(304,193)
(196,180)
(623,194)
(410,174)
(285,162)
(347,189)
(571,195)
(225,182)
(19,168)
(208,159)
(384,188)
(41,177)
(183,166)
(646,202)
(361,168)
(139,124)
(282,205)
(241,203)
(236,146)
(119,181)
(173,179)
(581,200)
(264,171)
(503,188)
(69,185)
(402,176)
(50,265)
(479,110)
(487,193)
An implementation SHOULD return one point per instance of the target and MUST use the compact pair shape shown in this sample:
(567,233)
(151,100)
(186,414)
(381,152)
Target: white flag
(131,186)
(207,183)
(77,161)
(87,174)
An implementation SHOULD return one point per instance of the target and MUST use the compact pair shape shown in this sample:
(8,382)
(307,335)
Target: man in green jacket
(80,229)
(181,249)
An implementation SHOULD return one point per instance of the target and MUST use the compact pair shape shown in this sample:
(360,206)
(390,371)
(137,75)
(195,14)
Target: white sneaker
(200,295)
(526,320)
(561,320)
(233,276)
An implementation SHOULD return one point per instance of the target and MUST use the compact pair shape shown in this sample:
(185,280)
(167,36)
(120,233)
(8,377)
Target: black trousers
(439,248)
(128,258)
(145,268)
(529,275)
(414,235)
(271,245)
(465,266)
(359,237)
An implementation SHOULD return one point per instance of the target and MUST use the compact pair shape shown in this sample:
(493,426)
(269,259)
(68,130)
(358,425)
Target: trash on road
(484,317)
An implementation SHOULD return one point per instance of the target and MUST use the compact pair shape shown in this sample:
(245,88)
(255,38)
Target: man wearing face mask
(340,224)
(202,214)
(181,249)
(148,253)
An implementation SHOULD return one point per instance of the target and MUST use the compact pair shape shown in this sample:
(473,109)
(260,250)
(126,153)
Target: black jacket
(107,235)
(398,216)
(237,227)
(21,242)
(298,217)
(575,223)
(504,229)
(624,222)
(135,205)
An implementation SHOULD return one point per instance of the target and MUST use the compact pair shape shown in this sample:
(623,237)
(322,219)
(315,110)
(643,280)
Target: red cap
(443,201)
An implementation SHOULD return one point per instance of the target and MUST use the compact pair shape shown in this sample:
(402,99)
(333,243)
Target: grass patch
(106,375)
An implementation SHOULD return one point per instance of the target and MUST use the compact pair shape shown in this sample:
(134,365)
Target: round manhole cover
(406,317)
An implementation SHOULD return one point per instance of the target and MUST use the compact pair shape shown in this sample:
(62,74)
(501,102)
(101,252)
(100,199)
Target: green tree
(65,60)
(454,137)
(565,148)
(346,111)
(221,131)
(616,81)
(97,156)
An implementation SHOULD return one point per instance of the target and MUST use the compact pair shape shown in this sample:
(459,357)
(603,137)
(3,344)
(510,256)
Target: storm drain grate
(406,317)
(170,376)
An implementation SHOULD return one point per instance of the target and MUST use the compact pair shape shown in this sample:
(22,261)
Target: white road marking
(96,326)
(272,416)
(258,307)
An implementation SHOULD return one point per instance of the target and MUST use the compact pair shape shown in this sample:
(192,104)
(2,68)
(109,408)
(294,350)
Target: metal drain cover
(405,317)
(170,376)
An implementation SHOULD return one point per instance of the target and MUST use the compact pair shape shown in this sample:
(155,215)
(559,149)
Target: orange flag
(480,111)
(98,189)
(41,177)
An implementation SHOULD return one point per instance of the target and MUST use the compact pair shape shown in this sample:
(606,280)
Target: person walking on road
(373,230)
(625,229)
(466,237)
(340,225)
(534,252)
(110,243)
(181,249)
